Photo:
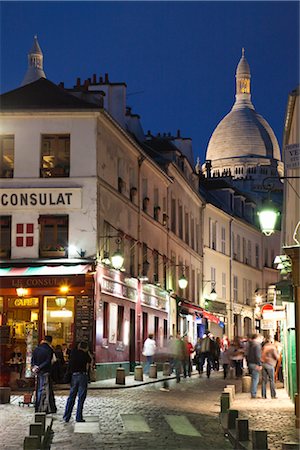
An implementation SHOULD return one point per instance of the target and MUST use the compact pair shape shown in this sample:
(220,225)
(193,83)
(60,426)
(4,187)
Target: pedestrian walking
(238,357)
(225,360)
(78,366)
(269,357)
(187,363)
(179,355)
(198,354)
(207,348)
(254,362)
(41,361)
(149,349)
(216,353)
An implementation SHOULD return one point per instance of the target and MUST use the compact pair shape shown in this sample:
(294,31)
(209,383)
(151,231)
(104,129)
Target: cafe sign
(25,302)
(41,198)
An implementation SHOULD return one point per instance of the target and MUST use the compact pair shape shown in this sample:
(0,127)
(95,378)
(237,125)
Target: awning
(45,270)
(197,310)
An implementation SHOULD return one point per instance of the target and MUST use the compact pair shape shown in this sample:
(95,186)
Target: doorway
(132,341)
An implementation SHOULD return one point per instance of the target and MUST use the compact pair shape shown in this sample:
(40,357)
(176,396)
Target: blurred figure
(171,352)
(58,367)
(225,359)
(187,363)
(216,353)
(198,354)
(207,348)
(179,354)
(224,342)
(269,357)
(149,351)
(254,359)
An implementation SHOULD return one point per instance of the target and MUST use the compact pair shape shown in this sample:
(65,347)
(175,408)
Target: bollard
(41,418)
(32,443)
(4,395)
(232,386)
(242,430)
(229,390)
(153,371)
(36,429)
(232,415)
(259,440)
(120,375)
(138,373)
(231,372)
(225,402)
(166,369)
(290,446)
(246,383)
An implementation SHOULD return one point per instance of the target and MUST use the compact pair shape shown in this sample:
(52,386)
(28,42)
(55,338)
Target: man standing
(269,359)
(78,366)
(254,362)
(149,351)
(41,361)
(206,353)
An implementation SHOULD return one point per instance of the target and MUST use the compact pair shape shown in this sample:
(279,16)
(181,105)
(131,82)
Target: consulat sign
(40,198)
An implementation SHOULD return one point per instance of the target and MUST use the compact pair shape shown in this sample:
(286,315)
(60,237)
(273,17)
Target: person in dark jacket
(207,350)
(78,366)
(41,366)
(254,362)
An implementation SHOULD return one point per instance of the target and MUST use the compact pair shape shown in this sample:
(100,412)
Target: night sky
(178,59)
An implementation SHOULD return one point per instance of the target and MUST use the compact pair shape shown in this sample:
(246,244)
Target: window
(212,234)
(244,291)
(180,221)
(235,288)
(120,328)
(223,285)
(156,322)
(257,256)
(145,326)
(165,330)
(244,250)
(164,272)
(238,247)
(53,235)
(186,226)
(249,253)
(213,274)
(7,144)
(105,320)
(155,266)
(24,234)
(249,292)
(5,236)
(55,155)
(192,233)
(223,240)
(173,215)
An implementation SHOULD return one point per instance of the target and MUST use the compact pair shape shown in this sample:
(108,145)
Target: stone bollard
(225,402)
(120,375)
(32,443)
(41,418)
(153,371)
(232,386)
(242,430)
(138,373)
(290,446)
(166,369)
(229,390)
(4,395)
(246,383)
(259,440)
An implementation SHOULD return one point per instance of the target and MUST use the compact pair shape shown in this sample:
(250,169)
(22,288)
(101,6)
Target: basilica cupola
(243,89)
(35,64)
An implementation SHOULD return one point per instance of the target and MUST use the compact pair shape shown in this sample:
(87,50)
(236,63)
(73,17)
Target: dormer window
(55,155)
(146,201)
(7,145)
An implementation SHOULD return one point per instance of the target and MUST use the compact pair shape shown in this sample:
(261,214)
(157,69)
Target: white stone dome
(243,132)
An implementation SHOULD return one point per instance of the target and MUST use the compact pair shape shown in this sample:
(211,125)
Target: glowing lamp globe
(117,260)
(267,220)
(182,282)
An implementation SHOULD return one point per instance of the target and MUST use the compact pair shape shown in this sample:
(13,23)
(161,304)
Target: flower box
(53,253)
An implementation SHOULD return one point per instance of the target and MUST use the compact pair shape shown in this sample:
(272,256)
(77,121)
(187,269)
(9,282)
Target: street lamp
(213,294)
(117,258)
(182,282)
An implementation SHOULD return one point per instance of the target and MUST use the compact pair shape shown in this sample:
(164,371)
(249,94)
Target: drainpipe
(230,316)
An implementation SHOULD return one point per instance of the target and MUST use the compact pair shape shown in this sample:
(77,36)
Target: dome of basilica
(243,133)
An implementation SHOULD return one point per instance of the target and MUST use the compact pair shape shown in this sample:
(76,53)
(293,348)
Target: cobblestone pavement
(141,418)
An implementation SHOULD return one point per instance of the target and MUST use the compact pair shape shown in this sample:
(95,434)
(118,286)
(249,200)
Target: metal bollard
(246,383)
(225,402)
(232,415)
(138,373)
(153,371)
(32,443)
(36,429)
(229,390)
(4,395)
(259,440)
(290,446)
(120,375)
(232,386)
(41,418)
(242,430)
(166,369)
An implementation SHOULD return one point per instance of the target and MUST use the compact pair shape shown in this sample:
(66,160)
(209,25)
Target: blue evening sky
(178,59)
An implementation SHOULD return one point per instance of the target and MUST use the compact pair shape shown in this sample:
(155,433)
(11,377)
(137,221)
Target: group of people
(79,361)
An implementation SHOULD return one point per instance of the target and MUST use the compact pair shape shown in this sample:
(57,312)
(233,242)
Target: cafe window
(53,236)
(55,155)
(5,236)
(59,319)
(7,144)
(105,320)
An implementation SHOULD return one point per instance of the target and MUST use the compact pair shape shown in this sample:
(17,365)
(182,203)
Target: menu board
(4,334)
(84,319)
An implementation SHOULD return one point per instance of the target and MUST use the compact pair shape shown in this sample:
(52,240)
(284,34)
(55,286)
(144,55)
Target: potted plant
(53,251)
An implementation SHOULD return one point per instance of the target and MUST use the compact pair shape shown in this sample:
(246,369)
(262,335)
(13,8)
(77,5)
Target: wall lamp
(182,281)
(21,292)
(269,213)
(213,294)
(117,259)
(61,301)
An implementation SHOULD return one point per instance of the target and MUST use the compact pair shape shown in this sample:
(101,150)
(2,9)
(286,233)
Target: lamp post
(294,253)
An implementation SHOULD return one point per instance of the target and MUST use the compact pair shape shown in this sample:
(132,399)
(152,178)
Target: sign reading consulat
(41,198)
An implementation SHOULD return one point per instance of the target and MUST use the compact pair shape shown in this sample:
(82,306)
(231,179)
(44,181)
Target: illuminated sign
(26,302)
(41,198)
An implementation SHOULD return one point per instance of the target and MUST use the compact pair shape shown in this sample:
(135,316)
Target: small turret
(35,64)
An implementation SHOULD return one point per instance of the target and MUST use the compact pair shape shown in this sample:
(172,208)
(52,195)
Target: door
(132,341)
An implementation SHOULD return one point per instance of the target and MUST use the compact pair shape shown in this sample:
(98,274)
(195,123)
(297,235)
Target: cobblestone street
(143,418)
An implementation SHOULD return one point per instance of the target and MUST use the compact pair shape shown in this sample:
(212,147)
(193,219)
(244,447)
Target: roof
(42,94)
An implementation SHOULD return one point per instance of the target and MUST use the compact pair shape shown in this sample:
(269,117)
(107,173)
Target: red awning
(193,309)
(45,270)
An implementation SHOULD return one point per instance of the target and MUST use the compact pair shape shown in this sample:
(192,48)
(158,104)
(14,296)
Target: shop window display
(59,319)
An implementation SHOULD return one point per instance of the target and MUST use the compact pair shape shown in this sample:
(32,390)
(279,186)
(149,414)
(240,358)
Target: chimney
(86,84)
(101,80)
(178,134)
(62,84)
(94,79)
(106,78)
(78,82)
